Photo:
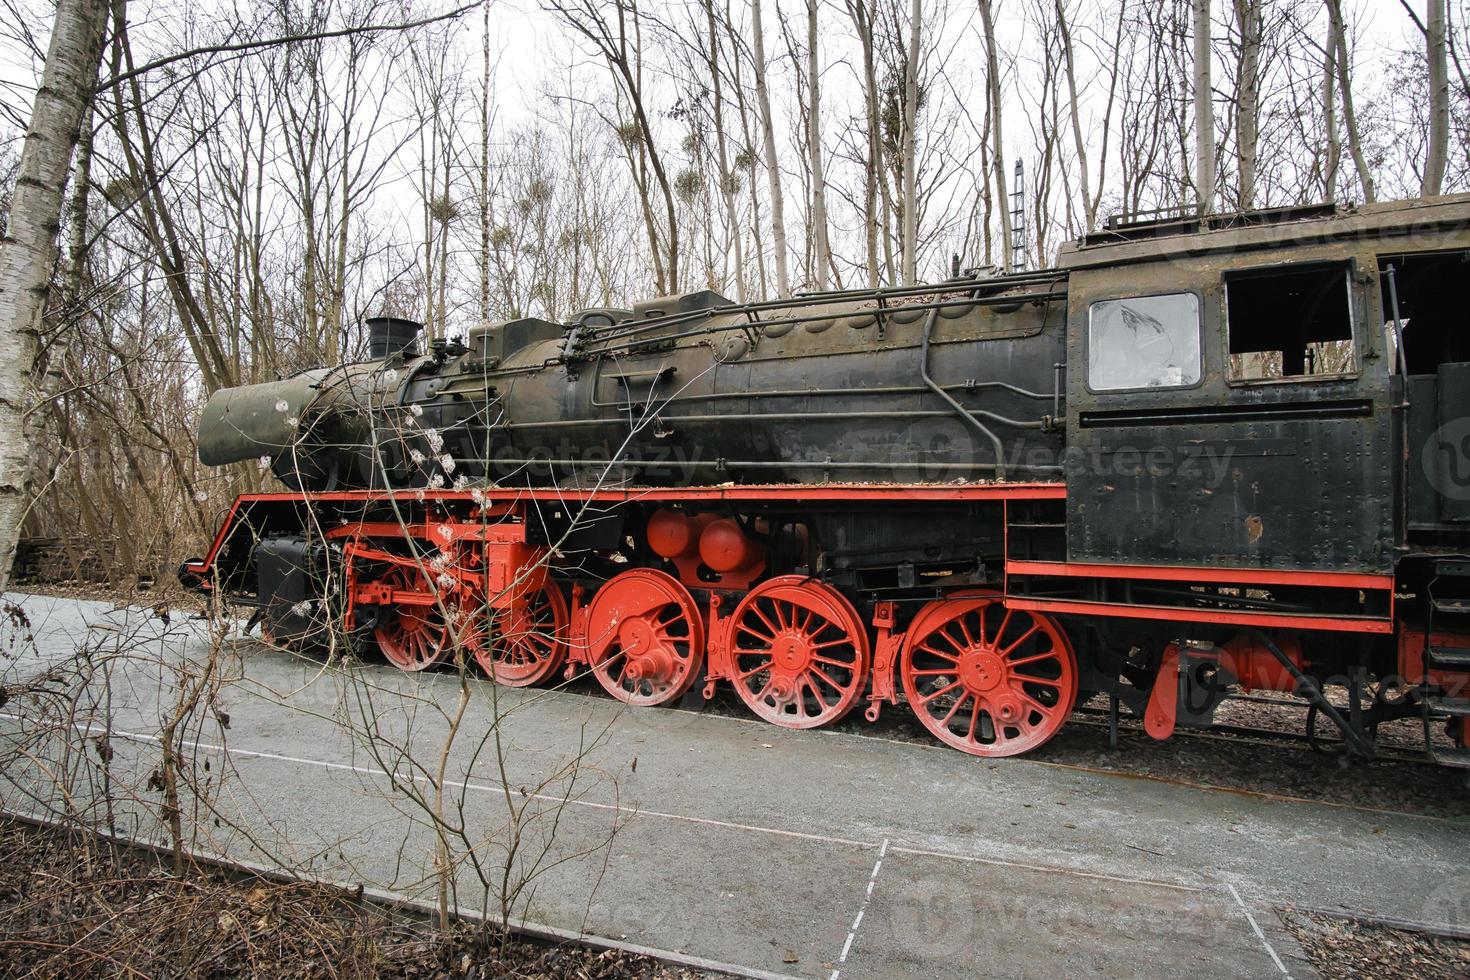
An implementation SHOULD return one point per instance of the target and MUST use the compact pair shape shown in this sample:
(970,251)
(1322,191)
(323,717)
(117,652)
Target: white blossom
(461,481)
(478,496)
(445,532)
(302,608)
(283,406)
(417,410)
(446,581)
(263,463)
(200,496)
(390,377)
(447,462)
(436,481)
(434,439)
(416,456)
(293,421)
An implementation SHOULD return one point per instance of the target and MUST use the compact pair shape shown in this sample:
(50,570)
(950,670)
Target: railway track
(1248,734)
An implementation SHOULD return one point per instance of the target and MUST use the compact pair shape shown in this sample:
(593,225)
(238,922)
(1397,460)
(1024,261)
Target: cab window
(1291,323)
(1143,342)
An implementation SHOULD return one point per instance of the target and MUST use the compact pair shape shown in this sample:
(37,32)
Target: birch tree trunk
(768,137)
(1248,99)
(1349,113)
(1333,151)
(735,233)
(1204,111)
(910,148)
(1439,98)
(28,251)
(486,217)
(997,155)
(1075,111)
(821,249)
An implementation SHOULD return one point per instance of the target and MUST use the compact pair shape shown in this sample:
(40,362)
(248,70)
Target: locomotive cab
(1224,396)
(1268,427)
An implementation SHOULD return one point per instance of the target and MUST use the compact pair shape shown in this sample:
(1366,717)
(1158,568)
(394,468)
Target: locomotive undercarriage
(808,607)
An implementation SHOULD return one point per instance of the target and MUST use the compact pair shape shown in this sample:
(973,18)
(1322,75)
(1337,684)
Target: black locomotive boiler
(1199,455)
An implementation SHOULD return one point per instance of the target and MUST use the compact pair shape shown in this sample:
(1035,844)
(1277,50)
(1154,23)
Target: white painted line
(1259,934)
(868,897)
(1046,869)
(481,787)
(657,814)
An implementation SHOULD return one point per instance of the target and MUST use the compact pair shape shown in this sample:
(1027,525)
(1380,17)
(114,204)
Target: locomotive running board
(1363,582)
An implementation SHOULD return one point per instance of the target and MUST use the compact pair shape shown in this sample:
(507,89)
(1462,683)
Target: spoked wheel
(412,636)
(799,651)
(645,637)
(985,679)
(523,645)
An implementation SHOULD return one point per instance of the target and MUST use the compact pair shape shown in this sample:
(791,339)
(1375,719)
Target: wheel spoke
(760,636)
(816,671)
(1035,628)
(954,708)
(816,693)
(974,720)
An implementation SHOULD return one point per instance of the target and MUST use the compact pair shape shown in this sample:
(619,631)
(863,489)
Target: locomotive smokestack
(387,335)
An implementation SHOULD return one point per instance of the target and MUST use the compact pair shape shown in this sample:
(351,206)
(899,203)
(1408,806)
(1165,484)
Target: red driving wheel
(522,645)
(799,651)
(645,637)
(985,679)
(412,636)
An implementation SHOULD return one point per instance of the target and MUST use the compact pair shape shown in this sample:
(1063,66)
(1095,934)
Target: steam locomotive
(1202,454)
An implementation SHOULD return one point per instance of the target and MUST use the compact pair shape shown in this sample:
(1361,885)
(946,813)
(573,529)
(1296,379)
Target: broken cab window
(1432,312)
(1289,323)
(1143,342)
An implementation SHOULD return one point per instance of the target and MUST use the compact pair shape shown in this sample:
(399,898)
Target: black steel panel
(1452,442)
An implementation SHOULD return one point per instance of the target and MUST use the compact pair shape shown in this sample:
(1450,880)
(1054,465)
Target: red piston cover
(1255,666)
(724,547)
(674,534)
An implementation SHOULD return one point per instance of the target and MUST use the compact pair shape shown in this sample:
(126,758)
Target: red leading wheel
(523,645)
(799,652)
(412,636)
(985,679)
(645,637)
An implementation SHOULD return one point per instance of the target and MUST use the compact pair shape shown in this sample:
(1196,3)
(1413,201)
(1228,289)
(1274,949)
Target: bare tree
(1204,110)
(620,46)
(1436,55)
(28,250)
(1248,21)
(910,146)
(997,159)
(1342,63)
(768,140)
(821,247)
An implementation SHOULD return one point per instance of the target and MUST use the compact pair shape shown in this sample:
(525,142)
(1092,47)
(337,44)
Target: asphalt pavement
(809,854)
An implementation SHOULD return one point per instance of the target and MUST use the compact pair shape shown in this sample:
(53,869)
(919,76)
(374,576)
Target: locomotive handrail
(843,392)
(767,464)
(1007,300)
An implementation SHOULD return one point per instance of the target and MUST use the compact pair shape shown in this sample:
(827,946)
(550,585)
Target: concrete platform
(808,854)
